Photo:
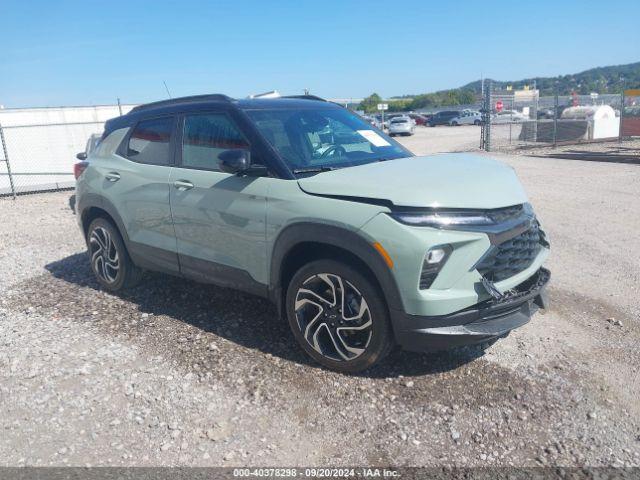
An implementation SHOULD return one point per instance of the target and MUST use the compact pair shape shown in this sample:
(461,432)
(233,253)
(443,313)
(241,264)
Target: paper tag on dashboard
(374,138)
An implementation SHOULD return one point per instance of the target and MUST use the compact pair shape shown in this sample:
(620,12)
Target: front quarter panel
(458,285)
(288,205)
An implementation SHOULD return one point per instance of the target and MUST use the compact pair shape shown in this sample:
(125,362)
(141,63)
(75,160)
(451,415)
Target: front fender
(334,236)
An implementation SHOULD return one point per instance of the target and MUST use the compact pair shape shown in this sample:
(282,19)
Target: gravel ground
(177,373)
(427,140)
(627,151)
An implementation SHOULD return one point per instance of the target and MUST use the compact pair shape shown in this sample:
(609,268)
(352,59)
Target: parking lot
(177,373)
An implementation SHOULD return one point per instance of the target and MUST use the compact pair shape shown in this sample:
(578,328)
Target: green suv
(360,244)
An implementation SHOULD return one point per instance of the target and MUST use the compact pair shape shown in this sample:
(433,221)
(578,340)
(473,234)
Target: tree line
(426,100)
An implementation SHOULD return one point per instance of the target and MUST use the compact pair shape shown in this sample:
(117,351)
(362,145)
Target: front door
(219,218)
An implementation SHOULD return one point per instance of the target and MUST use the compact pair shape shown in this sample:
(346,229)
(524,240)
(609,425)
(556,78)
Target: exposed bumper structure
(480,323)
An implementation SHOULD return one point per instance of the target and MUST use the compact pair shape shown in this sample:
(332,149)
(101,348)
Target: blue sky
(81,53)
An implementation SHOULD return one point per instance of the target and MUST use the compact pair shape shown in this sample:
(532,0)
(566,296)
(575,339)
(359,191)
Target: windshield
(314,139)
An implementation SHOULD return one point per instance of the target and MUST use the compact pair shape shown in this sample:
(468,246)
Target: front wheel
(477,122)
(338,316)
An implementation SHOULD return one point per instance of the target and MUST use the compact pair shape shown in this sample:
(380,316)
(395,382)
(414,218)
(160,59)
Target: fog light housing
(433,262)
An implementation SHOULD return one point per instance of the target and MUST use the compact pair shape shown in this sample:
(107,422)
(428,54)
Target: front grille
(500,215)
(511,257)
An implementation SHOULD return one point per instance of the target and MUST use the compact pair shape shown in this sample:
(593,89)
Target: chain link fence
(41,157)
(630,114)
(522,119)
(39,145)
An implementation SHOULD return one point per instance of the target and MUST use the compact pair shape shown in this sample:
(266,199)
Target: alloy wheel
(104,255)
(333,317)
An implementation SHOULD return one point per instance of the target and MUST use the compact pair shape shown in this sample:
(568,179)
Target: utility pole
(555,117)
(620,138)
(6,159)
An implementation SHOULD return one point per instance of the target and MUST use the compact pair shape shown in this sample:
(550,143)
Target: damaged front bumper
(485,321)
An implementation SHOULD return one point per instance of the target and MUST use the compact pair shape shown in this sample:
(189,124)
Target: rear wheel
(338,316)
(454,124)
(476,122)
(110,260)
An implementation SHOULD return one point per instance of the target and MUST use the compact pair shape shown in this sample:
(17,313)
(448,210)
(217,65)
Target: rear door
(219,218)
(136,182)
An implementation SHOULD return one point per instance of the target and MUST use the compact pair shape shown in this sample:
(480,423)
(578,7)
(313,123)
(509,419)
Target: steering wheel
(333,151)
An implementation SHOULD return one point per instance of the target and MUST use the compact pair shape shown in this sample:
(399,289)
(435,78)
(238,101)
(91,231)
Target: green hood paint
(457,180)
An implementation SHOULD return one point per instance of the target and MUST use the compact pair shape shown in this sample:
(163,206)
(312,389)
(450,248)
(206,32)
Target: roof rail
(176,101)
(305,97)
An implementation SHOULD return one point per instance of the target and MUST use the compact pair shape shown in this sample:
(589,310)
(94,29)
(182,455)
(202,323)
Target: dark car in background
(547,113)
(443,118)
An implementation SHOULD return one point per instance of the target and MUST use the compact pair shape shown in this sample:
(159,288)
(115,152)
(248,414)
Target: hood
(455,180)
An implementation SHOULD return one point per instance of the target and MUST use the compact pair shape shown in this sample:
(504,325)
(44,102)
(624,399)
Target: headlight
(463,218)
(442,219)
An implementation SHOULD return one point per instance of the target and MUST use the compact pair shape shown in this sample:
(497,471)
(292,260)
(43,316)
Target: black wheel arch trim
(92,200)
(334,236)
(143,256)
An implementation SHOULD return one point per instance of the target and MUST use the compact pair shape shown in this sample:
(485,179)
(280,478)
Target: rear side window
(150,141)
(206,136)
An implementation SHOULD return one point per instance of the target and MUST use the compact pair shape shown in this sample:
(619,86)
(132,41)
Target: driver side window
(206,136)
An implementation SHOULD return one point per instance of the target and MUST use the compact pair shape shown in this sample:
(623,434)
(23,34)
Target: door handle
(112,176)
(183,185)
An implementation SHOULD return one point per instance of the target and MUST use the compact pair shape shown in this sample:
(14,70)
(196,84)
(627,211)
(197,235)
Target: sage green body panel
(140,195)
(452,180)
(235,221)
(222,219)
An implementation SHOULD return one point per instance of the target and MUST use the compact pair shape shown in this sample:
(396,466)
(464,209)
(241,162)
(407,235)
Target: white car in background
(509,116)
(401,126)
(467,117)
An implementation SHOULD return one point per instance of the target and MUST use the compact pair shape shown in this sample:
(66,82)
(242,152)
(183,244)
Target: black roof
(202,102)
(194,99)
(182,103)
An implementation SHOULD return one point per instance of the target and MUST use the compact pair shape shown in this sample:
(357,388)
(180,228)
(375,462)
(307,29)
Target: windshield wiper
(313,169)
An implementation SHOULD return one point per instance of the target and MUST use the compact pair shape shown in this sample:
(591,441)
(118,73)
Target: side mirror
(234,161)
(82,156)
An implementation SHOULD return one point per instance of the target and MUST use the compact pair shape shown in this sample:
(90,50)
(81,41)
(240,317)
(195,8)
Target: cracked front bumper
(480,323)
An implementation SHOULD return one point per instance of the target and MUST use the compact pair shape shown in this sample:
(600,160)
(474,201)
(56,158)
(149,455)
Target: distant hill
(599,80)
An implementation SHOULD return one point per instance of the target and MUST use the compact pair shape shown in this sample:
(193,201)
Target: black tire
(126,275)
(454,124)
(368,345)
(477,122)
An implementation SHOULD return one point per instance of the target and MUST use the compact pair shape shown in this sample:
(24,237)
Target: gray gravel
(176,373)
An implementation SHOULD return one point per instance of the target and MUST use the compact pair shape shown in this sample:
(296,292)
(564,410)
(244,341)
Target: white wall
(42,143)
(606,127)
